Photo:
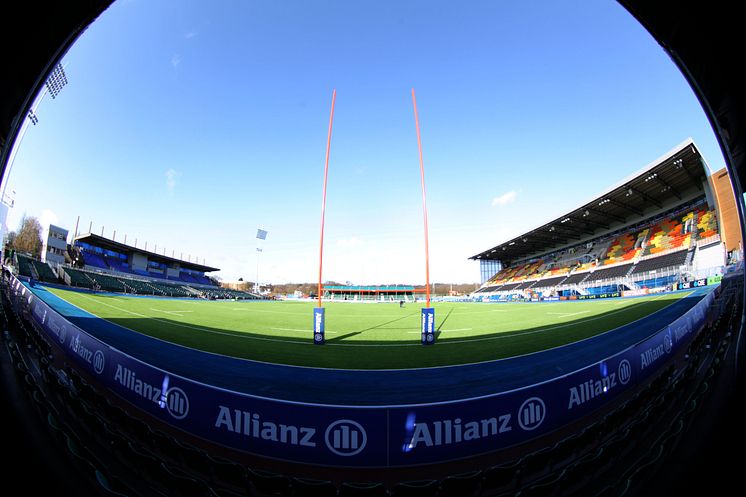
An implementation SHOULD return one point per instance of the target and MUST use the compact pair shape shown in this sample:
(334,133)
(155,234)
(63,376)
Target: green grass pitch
(366,336)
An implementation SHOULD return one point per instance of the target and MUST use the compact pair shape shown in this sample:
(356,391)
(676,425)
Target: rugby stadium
(584,364)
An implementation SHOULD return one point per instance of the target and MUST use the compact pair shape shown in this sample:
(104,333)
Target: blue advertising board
(428,326)
(319,315)
(363,436)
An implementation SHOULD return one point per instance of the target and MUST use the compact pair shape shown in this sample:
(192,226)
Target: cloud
(171,176)
(190,35)
(505,198)
(175,61)
(48,217)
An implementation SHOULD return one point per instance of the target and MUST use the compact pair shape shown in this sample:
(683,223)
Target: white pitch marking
(175,312)
(265,310)
(566,314)
(305,342)
(296,329)
(457,329)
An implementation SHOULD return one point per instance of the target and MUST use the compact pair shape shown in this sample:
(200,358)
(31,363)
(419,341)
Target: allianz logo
(681,331)
(317,322)
(60,331)
(530,415)
(597,387)
(81,350)
(174,399)
(94,358)
(652,354)
(343,437)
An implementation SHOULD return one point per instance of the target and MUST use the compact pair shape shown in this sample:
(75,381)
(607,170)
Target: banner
(635,293)
(606,295)
(363,436)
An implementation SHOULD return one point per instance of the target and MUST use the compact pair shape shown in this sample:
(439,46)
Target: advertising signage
(359,436)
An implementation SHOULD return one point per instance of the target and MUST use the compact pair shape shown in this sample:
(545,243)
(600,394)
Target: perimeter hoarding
(370,437)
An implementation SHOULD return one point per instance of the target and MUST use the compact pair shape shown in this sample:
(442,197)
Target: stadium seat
(348,489)
(707,225)
(420,488)
(80,452)
(227,475)
(579,473)
(40,401)
(545,487)
(146,464)
(535,465)
(268,483)
(229,492)
(564,451)
(110,485)
(195,460)
(166,446)
(646,465)
(502,478)
(306,487)
(56,428)
(139,431)
(461,485)
(178,483)
(117,443)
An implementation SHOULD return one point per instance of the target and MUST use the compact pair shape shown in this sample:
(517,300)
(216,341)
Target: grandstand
(97,253)
(684,453)
(189,442)
(654,230)
(380,293)
(100,264)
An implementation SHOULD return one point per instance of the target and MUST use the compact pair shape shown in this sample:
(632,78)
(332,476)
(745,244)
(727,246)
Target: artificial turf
(366,336)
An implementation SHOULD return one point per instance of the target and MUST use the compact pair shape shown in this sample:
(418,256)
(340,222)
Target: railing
(706,241)
(707,272)
(661,273)
(663,252)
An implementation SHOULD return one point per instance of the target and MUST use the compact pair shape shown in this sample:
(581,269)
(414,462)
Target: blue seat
(502,478)
(268,483)
(305,487)
(227,474)
(421,488)
(461,485)
(110,485)
(362,490)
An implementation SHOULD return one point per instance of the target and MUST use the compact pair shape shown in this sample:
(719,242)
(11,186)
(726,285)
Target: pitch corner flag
(261,234)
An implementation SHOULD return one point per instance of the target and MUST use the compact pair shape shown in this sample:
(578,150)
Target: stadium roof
(100,241)
(676,177)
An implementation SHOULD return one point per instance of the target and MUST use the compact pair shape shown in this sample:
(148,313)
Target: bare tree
(28,238)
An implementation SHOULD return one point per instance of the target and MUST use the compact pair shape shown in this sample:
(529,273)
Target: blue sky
(190,124)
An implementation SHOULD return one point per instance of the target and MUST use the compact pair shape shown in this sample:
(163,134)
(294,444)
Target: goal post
(318,312)
(428,313)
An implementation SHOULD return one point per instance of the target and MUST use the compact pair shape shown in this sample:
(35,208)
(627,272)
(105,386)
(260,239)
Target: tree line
(27,238)
(311,288)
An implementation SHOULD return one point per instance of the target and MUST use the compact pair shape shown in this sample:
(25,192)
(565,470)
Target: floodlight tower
(54,84)
(260,235)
